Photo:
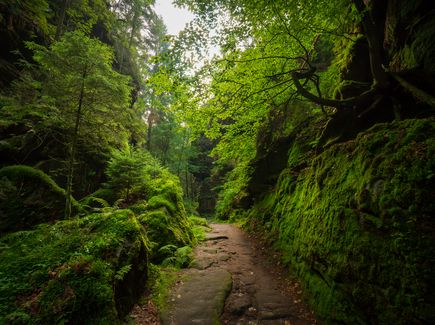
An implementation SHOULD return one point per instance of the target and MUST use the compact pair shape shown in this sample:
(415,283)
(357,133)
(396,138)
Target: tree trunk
(133,30)
(149,131)
(186,181)
(68,206)
(61,19)
(374,32)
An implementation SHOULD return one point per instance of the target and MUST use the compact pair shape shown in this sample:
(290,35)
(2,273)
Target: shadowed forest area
(125,151)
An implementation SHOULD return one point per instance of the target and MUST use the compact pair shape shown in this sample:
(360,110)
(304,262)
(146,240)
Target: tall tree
(276,52)
(81,84)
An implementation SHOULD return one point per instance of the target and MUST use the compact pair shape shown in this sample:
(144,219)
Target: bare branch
(291,34)
(419,94)
(296,76)
(264,58)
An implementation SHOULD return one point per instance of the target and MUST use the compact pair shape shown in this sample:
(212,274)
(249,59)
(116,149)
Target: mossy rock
(81,271)
(160,201)
(28,197)
(357,225)
(166,219)
(163,229)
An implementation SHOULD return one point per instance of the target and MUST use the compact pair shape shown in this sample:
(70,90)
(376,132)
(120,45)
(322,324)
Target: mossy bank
(356,223)
(90,269)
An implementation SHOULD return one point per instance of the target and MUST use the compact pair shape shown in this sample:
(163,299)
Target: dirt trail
(234,280)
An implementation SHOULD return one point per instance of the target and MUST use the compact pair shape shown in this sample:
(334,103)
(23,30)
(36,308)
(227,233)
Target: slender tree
(81,83)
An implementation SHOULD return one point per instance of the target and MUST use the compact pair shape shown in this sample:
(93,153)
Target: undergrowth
(90,269)
(72,271)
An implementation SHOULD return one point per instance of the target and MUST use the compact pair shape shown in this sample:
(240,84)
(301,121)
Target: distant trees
(68,108)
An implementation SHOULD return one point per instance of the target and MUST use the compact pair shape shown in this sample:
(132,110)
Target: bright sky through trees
(175,18)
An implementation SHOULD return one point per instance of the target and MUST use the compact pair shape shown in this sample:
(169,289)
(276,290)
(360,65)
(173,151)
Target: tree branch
(263,58)
(307,53)
(296,76)
(419,94)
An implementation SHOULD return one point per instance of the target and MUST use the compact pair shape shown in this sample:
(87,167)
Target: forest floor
(235,279)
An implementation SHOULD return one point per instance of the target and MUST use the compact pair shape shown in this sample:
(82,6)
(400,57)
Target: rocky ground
(235,280)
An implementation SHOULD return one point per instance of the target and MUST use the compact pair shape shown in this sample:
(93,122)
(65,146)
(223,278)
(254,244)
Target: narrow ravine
(235,280)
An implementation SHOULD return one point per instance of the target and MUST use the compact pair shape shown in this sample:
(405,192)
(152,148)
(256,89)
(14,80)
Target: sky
(174,18)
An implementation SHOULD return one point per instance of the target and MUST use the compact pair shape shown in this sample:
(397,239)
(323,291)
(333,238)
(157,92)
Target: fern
(103,202)
(169,261)
(168,250)
(183,256)
(120,274)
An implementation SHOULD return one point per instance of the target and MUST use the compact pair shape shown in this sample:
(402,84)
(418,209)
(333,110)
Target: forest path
(235,280)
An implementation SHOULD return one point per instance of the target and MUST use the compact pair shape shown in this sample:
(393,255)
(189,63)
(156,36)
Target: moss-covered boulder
(28,197)
(357,224)
(81,271)
(166,222)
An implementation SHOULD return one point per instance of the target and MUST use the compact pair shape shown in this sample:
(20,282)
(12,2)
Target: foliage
(73,271)
(98,261)
(233,189)
(126,170)
(155,195)
(198,221)
(340,56)
(101,197)
(32,13)
(76,61)
(200,226)
(73,109)
(80,82)
(181,257)
(235,93)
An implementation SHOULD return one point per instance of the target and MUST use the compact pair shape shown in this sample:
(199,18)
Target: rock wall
(356,222)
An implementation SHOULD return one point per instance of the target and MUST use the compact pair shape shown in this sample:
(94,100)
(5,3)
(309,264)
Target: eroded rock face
(357,224)
(130,287)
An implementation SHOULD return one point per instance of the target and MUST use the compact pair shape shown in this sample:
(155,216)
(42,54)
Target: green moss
(161,282)
(94,199)
(198,221)
(28,196)
(139,208)
(200,227)
(356,225)
(83,271)
(160,201)
(419,47)
(163,229)
(89,270)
